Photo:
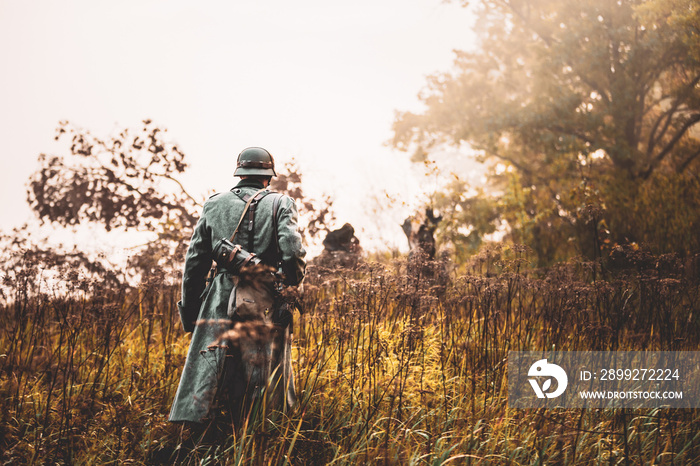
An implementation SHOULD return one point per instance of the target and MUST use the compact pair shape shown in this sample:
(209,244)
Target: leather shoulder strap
(245,210)
(275,208)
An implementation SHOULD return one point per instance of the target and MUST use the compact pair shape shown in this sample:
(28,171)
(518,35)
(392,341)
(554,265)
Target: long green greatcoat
(204,311)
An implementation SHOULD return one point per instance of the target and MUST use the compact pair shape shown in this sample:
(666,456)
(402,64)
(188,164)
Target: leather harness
(252,201)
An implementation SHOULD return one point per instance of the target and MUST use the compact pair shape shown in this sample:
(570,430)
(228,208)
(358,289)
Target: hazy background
(315,80)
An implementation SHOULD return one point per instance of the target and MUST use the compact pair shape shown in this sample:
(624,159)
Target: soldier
(210,379)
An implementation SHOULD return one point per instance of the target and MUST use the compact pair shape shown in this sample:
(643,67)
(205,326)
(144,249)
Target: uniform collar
(249,183)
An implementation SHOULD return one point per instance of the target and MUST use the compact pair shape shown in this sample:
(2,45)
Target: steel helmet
(255,161)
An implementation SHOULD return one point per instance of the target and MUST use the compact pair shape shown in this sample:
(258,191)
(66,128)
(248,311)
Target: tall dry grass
(396,364)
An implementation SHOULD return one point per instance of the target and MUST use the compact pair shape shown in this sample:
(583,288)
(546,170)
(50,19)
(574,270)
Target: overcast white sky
(311,79)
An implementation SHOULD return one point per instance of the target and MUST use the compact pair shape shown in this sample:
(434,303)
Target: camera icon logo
(542,368)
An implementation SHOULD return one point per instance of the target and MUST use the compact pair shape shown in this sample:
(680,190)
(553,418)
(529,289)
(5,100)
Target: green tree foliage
(465,219)
(594,104)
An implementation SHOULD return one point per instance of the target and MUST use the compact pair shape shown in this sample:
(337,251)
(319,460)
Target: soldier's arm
(291,249)
(198,260)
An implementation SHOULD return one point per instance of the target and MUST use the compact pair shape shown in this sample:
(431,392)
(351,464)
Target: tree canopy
(576,97)
(121,181)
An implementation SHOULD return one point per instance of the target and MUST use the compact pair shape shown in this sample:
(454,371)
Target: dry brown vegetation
(395,365)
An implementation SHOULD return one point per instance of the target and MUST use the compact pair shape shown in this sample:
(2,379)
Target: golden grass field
(394,365)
